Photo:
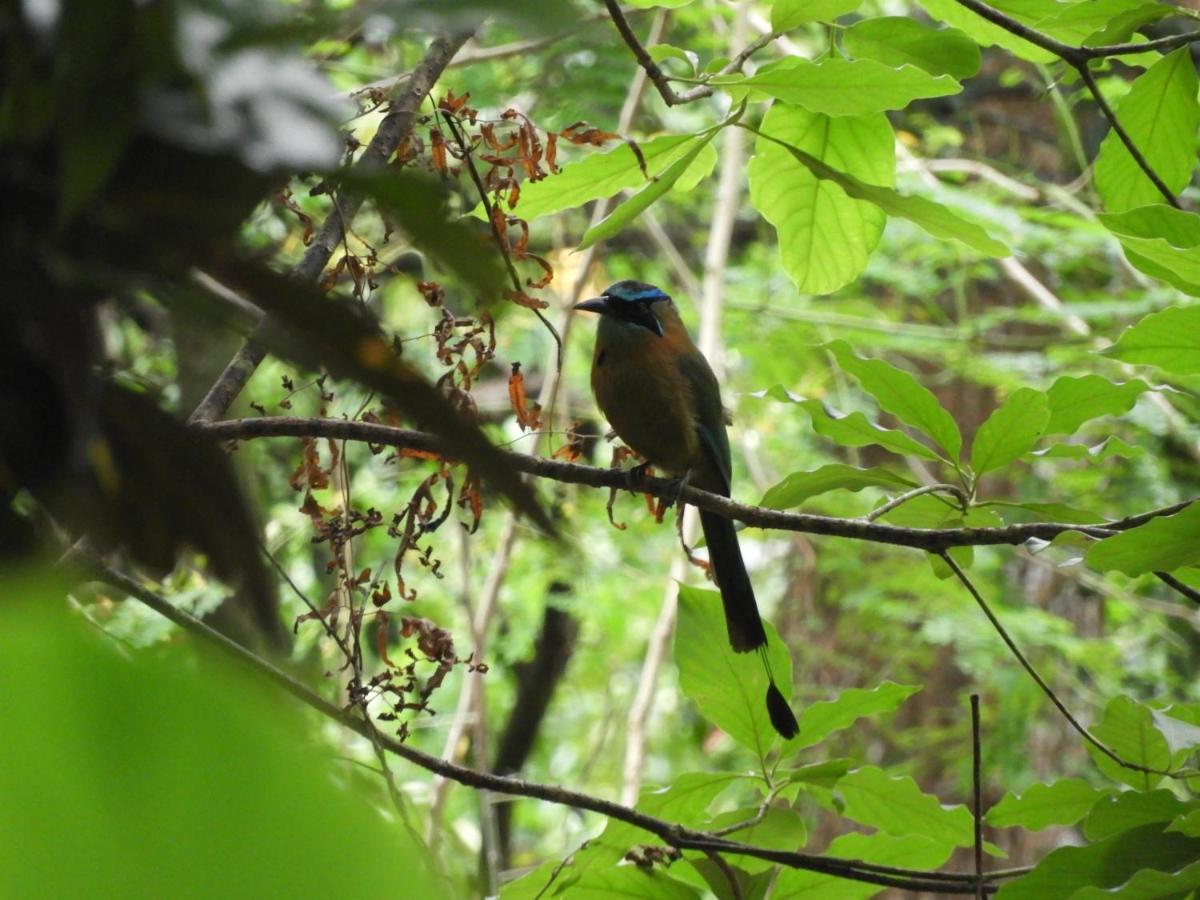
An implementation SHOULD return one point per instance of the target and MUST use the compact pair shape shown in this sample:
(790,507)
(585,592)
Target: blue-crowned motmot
(662,398)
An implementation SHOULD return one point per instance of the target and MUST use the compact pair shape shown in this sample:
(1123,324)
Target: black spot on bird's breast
(600,357)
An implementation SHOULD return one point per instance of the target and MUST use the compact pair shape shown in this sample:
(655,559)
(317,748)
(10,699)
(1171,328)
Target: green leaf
(825,236)
(1106,864)
(799,486)
(1096,22)
(822,774)
(1128,730)
(1149,884)
(780,829)
(822,719)
(1161,115)
(1162,544)
(789,14)
(1064,802)
(899,40)
(649,4)
(1161,241)
(908,851)
(1010,431)
(986,34)
(599,175)
(1131,809)
(606,882)
(728,687)
(1108,448)
(170,772)
(938,220)
(896,805)
(842,87)
(1180,735)
(1187,824)
(856,430)
(1169,339)
(1075,400)
(900,394)
(660,52)
(641,201)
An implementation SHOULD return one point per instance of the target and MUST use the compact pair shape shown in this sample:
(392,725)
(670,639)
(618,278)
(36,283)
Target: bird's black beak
(596,305)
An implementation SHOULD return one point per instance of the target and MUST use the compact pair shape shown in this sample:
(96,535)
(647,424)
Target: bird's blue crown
(634,292)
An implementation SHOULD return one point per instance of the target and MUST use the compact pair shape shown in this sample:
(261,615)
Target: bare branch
(933,540)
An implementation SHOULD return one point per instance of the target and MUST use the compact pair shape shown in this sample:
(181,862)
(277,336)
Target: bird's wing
(709,415)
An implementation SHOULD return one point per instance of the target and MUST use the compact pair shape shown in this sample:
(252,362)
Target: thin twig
(1041,682)
(735,889)
(1187,590)
(670,833)
(931,539)
(976,768)
(959,494)
(1077,58)
(660,78)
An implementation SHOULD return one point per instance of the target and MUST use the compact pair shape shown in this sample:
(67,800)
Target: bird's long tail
(745,626)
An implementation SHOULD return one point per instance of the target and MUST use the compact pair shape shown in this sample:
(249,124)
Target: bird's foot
(637,476)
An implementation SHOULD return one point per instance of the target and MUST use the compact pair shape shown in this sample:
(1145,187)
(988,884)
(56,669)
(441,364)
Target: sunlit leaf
(932,217)
(842,87)
(1073,400)
(789,14)
(896,805)
(799,486)
(900,394)
(1010,431)
(1161,115)
(1161,241)
(641,201)
(988,34)
(822,719)
(1163,543)
(1109,448)
(1064,802)
(1131,809)
(1169,339)
(1101,21)
(779,829)
(899,40)
(825,236)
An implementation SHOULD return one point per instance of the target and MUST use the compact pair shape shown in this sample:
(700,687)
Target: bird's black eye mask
(638,312)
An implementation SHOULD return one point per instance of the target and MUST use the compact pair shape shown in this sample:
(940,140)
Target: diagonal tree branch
(395,126)
(671,833)
(1077,58)
(933,540)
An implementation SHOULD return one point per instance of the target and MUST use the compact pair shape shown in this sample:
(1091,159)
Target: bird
(661,397)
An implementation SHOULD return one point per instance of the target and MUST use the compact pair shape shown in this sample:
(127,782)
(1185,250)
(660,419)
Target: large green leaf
(728,687)
(899,40)
(1161,115)
(1162,544)
(908,851)
(842,87)
(1042,805)
(1169,339)
(1010,431)
(822,719)
(599,175)
(1161,241)
(641,201)
(896,805)
(1106,864)
(1131,809)
(986,34)
(171,773)
(1109,448)
(900,394)
(1149,884)
(1074,400)
(1128,730)
(938,220)
(799,486)
(825,236)
(789,14)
